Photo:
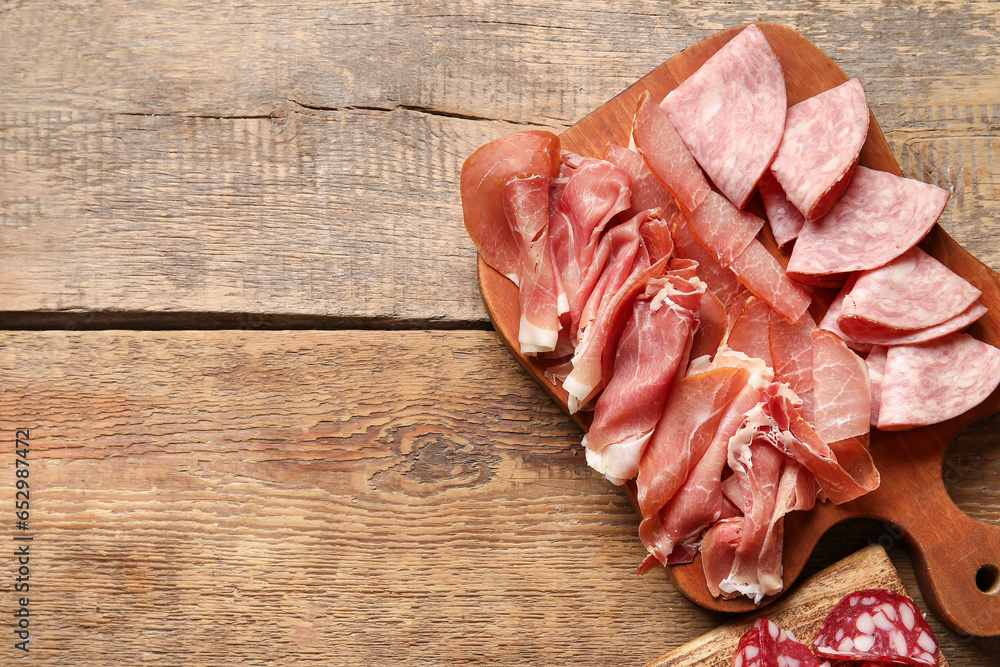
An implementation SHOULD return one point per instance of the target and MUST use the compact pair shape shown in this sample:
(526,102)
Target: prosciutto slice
(913,291)
(796,491)
(749,331)
(932,382)
(878,218)
(526,202)
(843,392)
(784,218)
(595,192)
(722,228)
(666,155)
(820,146)
(656,335)
(647,190)
(718,552)
(484,176)
(763,275)
(617,263)
(713,322)
(722,281)
(731,113)
(791,348)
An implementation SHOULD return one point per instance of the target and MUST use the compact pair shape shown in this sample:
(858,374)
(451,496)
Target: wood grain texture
(802,613)
(310,165)
(335,498)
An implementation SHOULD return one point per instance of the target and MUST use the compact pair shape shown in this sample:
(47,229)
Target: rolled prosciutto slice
(647,190)
(878,218)
(820,146)
(656,324)
(484,176)
(932,382)
(731,113)
(666,154)
(526,202)
(784,218)
(595,192)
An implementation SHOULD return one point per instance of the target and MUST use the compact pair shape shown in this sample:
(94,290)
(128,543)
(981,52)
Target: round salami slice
(731,113)
(931,382)
(823,137)
(878,218)
(879,625)
(913,291)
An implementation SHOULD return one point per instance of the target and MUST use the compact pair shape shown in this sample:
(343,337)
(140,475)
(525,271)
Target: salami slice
(878,218)
(784,218)
(751,653)
(722,228)
(913,291)
(782,644)
(931,382)
(731,113)
(880,625)
(820,146)
(666,154)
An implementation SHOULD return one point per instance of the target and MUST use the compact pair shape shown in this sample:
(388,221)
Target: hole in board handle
(988,579)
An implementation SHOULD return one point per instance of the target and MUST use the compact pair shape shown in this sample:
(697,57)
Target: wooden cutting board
(956,558)
(802,611)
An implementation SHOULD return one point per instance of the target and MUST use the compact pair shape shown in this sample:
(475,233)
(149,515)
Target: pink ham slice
(878,218)
(647,190)
(722,228)
(874,334)
(595,192)
(842,389)
(829,321)
(526,201)
(876,370)
(932,382)
(666,155)
(763,275)
(731,113)
(656,323)
(784,218)
(722,281)
(820,146)
(913,291)
(484,176)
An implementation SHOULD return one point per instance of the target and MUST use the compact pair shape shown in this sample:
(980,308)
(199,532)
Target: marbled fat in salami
(878,218)
(820,146)
(877,624)
(731,113)
(931,382)
(788,651)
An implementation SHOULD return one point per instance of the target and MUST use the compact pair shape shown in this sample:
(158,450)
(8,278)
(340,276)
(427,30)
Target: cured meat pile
(647,294)
(875,626)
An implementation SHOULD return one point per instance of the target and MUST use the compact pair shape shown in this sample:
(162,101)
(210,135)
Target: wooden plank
(334,498)
(801,612)
(309,166)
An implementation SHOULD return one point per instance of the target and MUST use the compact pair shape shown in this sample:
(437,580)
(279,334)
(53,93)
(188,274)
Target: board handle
(957,562)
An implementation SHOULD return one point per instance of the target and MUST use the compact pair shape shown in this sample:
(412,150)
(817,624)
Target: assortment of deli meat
(647,294)
(875,626)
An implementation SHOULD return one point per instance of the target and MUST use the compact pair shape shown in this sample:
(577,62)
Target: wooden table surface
(269,421)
